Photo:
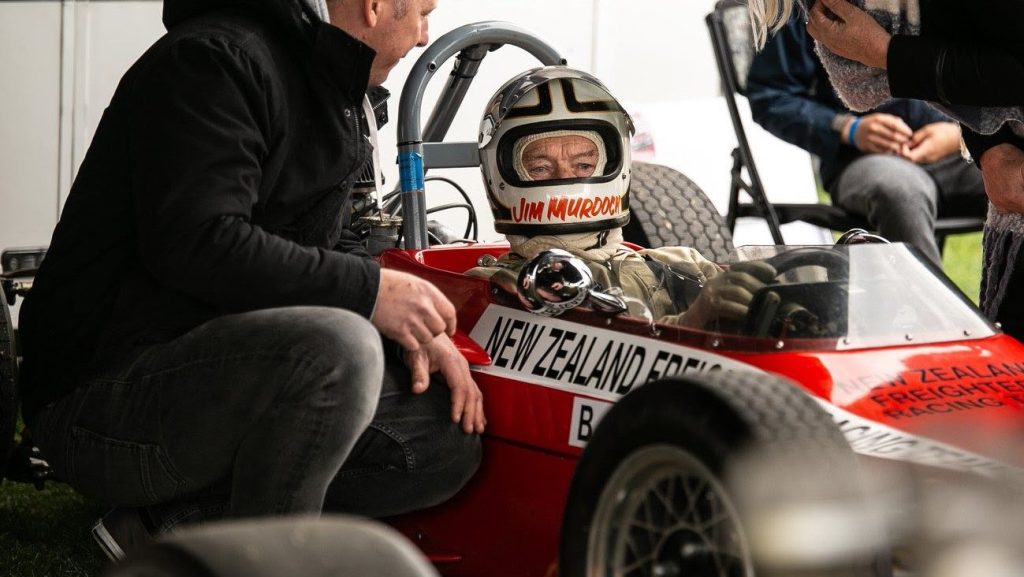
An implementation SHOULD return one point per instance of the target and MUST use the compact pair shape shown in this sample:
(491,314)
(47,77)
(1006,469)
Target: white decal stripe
(876,439)
(605,364)
(582,359)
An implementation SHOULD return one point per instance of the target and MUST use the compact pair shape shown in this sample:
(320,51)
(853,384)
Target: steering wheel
(835,263)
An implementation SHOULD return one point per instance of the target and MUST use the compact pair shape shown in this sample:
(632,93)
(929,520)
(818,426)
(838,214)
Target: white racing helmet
(547,103)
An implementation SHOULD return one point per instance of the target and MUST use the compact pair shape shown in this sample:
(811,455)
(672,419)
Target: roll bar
(419,149)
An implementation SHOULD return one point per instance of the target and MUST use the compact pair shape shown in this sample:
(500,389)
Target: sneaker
(121,531)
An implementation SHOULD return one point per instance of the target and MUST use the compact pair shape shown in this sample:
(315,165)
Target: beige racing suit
(641,275)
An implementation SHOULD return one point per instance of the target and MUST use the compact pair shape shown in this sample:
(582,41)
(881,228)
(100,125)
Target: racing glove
(726,297)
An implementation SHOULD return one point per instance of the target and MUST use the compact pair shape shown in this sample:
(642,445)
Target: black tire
(8,378)
(668,445)
(668,209)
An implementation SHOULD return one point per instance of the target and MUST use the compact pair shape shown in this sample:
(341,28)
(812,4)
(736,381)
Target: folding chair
(733,45)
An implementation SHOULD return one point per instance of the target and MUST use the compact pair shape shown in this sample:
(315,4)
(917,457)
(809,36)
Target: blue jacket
(791,97)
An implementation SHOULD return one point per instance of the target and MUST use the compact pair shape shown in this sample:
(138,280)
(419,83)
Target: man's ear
(372,12)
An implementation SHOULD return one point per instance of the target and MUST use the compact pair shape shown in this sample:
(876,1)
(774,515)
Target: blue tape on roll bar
(410,171)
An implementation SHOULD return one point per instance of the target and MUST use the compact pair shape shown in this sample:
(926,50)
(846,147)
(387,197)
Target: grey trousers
(263,413)
(901,200)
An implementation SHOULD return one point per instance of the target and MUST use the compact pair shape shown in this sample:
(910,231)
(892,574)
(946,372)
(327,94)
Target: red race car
(619,446)
(884,352)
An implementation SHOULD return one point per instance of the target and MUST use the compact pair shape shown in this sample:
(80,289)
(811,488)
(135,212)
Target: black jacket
(969,53)
(213,185)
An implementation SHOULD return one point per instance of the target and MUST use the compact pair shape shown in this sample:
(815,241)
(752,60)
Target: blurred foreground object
(286,547)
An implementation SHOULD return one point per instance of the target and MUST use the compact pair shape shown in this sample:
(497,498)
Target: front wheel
(664,512)
(650,497)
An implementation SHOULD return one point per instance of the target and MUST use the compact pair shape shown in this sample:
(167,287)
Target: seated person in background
(898,166)
(555,156)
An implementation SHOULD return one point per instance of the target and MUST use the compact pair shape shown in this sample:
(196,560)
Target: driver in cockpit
(555,156)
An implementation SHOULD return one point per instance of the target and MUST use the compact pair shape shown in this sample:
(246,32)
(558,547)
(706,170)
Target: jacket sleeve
(977,144)
(201,129)
(987,70)
(779,89)
(967,74)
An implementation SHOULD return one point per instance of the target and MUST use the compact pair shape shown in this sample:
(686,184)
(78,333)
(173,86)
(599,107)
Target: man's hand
(411,311)
(1002,167)
(441,355)
(880,133)
(727,296)
(933,142)
(849,32)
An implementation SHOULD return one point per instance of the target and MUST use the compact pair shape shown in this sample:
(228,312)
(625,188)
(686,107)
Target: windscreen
(862,295)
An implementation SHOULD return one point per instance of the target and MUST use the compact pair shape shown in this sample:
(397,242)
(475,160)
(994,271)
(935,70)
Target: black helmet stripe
(542,108)
(574,105)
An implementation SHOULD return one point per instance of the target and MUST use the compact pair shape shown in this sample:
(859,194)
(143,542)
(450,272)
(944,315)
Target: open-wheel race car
(894,359)
(621,446)
(618,445)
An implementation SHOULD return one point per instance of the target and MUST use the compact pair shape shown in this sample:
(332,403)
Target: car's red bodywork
(936,404)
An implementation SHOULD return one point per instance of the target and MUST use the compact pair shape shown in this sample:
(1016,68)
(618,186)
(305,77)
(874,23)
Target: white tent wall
(60,62)
(30,47)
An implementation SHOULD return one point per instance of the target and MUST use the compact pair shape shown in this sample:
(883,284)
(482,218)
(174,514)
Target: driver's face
(568,156)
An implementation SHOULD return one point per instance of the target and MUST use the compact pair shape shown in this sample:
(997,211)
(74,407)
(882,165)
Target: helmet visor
(560,152)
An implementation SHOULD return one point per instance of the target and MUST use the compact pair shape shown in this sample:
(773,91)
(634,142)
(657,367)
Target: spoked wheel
(664,513)
(665,485)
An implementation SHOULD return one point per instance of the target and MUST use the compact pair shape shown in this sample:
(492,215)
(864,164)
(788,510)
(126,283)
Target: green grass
(46,533)
(962,262)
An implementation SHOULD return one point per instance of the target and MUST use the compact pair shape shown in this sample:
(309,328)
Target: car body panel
(950,404)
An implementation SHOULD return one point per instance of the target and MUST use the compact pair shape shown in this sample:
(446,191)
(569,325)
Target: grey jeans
(901,200)
(262,413)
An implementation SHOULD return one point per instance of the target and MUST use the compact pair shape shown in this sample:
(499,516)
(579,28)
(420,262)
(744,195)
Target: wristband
(853,132)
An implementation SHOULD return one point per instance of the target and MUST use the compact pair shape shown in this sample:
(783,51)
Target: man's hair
(401,6)
(768,15)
